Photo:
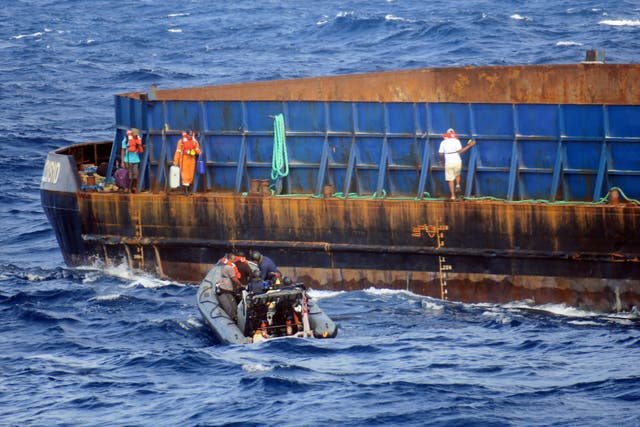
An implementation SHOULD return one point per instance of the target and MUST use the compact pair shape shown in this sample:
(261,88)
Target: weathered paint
(557,132)
(531,84)
(586,256)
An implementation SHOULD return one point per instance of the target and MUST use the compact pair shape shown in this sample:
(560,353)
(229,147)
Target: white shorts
(451,171)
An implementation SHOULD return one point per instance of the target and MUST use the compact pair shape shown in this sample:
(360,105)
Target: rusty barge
(364,201)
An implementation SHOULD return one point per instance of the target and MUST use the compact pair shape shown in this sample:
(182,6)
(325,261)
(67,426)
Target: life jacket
(134,145)
(235,269)
(188,145)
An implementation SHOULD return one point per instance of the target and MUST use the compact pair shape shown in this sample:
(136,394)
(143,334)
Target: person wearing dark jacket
(268,269)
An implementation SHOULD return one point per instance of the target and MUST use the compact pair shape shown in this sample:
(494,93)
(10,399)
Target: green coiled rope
(280,159)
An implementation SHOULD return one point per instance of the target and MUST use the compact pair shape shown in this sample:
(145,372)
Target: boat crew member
(185,156)
(242,264)
(229,286)
(131,148)
(256,285)
(449,151)
(268,269)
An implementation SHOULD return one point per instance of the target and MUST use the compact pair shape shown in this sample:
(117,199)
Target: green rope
(280,160)
(427,197)
(605,199)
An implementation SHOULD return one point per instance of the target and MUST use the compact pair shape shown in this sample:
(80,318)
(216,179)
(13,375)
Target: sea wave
(568,43)
(620,22)
(129,348)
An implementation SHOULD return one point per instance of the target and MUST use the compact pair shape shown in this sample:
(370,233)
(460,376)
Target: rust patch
(533,84)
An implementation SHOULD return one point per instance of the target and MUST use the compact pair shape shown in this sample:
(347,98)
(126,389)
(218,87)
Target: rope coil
(280,159)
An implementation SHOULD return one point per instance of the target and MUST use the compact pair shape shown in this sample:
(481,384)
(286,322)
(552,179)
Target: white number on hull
(51,172)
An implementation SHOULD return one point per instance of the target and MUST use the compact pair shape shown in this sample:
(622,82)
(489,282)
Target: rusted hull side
(557,133)
(541,84)
(584,256)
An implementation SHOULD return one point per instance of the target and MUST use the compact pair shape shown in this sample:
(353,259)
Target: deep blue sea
(96,347)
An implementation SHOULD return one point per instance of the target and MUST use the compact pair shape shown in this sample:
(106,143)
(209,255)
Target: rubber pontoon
(285,312)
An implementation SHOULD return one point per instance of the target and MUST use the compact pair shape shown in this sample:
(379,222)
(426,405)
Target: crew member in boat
(244,268)
(229,286)
(256,285)
(185,157)
(268,269)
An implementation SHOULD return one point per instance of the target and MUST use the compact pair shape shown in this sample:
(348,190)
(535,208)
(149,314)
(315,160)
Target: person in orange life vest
(229,286)
(185,157)
(449,151)
(130,155)
(242,264)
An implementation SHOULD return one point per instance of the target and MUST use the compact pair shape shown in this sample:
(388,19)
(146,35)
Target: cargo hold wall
(552,152)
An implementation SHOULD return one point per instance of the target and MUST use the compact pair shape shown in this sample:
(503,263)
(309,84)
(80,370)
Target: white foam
(390,17)
(625,318)
(584,323)
(91,277)
(174,30)
(186,325)
(50,30)
(344,14)
(137,278)
(566,311)
(383,291)
(625,322)
(527,303)
(122,271)
(431,305)
(568,43)
(391,292)
(150,282)
(175,15)
(620,22)
(256,367)
(322,294)
(324,20)
(111,297)
(32,277)
(519,17)
(498,317)
(22,36)
(562,310)
(63,361)
(192,322)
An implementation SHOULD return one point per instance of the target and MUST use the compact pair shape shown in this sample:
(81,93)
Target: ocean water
(104,347)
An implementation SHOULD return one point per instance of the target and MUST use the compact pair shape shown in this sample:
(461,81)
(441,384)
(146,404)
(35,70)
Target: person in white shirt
(450,150)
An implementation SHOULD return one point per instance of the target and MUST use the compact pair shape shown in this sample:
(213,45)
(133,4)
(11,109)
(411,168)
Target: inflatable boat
(271,311)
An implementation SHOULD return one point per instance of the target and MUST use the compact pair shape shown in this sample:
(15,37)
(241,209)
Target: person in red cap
(450,150)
